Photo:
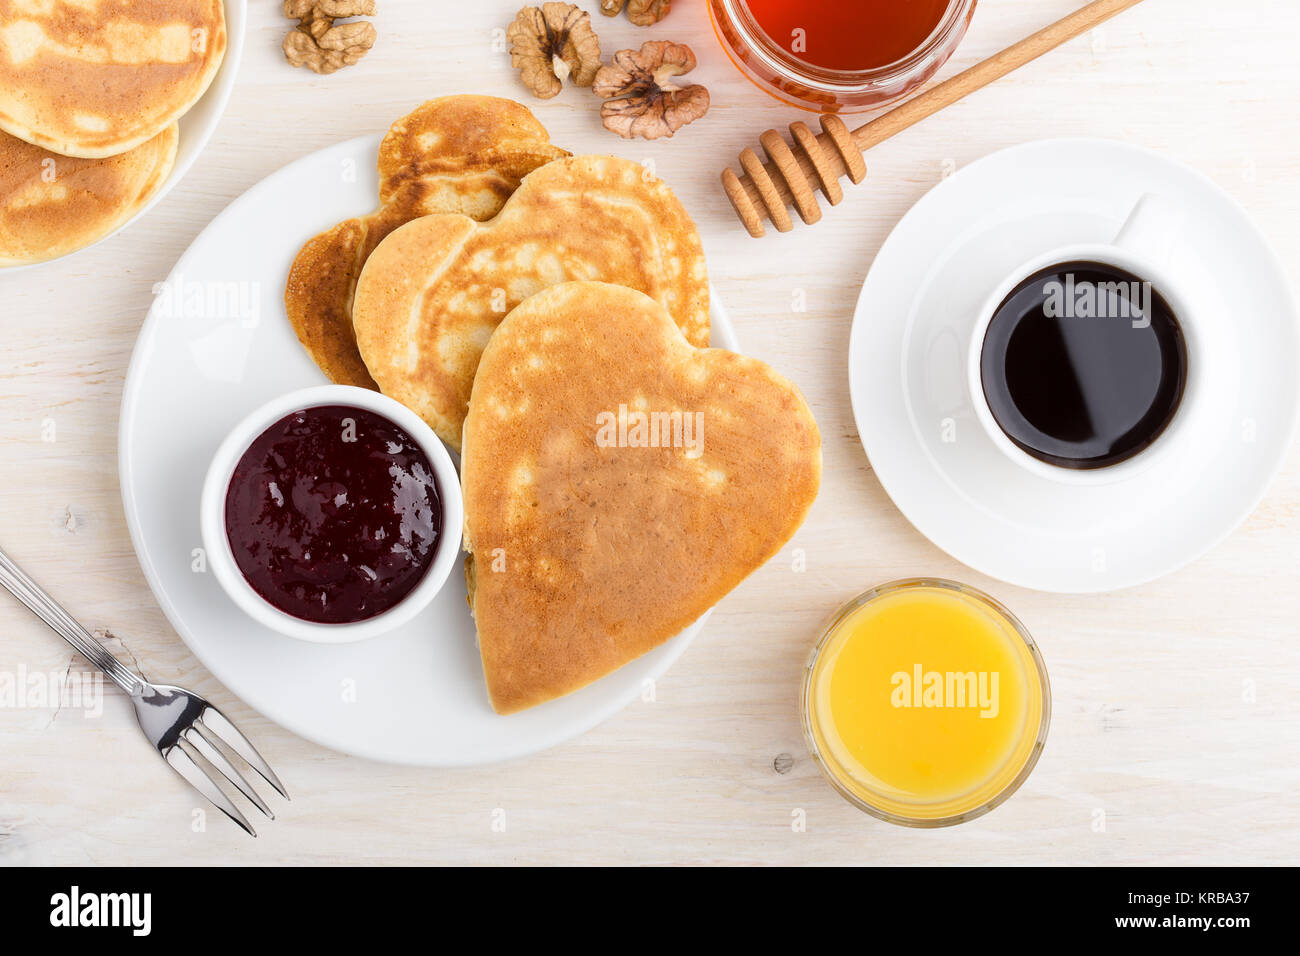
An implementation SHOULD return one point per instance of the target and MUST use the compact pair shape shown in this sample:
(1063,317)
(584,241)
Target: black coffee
(1084,365)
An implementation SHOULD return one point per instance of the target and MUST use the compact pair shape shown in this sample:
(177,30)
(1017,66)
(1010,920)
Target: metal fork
(183,726)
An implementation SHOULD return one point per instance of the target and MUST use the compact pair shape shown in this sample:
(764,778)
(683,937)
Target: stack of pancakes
(90,94)
(529,305)
(432,293)
(457,154)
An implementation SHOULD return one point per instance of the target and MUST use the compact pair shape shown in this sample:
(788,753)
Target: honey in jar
(833,56)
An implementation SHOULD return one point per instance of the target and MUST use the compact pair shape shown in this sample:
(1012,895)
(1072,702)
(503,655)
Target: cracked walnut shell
(552,43)
(640,96)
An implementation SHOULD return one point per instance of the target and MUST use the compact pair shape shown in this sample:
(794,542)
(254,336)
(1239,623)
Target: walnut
(646,13)
(551,44)
(640,97)
(333,9)
(320,44)
(643,13)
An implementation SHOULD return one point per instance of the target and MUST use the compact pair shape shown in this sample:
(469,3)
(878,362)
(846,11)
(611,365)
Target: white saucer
(908,375)
(414,695)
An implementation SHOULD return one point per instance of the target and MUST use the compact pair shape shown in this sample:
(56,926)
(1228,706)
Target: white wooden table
(1176,733)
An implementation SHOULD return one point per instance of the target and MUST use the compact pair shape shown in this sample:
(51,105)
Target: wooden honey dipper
(793,173)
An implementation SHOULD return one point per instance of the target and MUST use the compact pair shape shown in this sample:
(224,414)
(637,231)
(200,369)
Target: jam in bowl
(332,514)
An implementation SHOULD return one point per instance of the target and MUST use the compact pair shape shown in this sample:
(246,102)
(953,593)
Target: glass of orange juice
(925,702)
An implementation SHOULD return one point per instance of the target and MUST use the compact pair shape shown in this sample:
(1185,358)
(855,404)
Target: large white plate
(215,345)
(907,369)
(196,126)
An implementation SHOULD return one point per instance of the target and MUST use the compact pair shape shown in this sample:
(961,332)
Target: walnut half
(643,13)
(640,96)
(553,43)
(320,44)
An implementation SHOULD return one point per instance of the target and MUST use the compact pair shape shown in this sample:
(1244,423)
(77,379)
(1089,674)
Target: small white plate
(217,344)
(907,371)
(196,126)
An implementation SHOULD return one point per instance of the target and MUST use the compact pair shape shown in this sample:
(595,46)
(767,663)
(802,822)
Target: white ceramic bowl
(196,126)
(216,543)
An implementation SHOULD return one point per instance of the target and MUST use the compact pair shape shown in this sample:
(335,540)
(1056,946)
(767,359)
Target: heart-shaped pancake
(618,481)
(454,154)
(433,291)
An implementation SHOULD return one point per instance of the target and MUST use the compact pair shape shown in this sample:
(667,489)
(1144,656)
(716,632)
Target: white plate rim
(669,652)
(894,483)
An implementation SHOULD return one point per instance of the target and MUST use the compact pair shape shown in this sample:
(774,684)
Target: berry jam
(333,514)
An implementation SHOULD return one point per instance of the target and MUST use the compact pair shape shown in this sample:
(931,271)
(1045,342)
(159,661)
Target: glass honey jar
(831,56)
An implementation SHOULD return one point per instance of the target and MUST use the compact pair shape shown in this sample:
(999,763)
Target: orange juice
(926,702)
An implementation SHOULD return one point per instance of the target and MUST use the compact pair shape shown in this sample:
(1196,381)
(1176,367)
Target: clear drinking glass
(981,799)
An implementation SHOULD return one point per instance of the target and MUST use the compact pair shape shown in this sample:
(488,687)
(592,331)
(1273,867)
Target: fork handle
(17,582)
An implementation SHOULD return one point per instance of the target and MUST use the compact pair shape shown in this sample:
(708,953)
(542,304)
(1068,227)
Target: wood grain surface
(1176,735)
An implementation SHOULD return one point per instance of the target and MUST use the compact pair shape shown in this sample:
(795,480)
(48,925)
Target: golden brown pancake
(456,154)
(433,291)
(594,539)
(94,78)
(51,205)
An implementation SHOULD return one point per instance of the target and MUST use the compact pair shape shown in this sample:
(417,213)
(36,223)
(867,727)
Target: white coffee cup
(1145,247)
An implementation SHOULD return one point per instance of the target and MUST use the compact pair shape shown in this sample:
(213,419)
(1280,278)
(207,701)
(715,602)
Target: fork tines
(197,753)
